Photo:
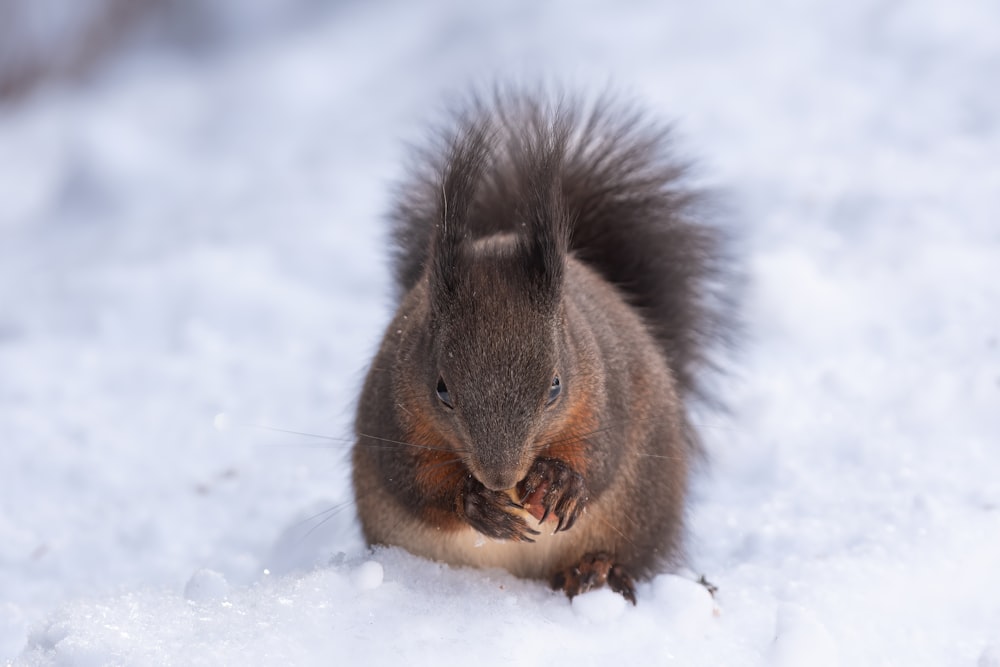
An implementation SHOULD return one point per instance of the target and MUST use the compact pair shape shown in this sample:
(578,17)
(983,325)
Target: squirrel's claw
(553,488)
(486,511)
(568,509)
(567,520)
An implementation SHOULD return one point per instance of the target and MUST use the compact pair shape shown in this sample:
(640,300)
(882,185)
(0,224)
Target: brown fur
(541,240)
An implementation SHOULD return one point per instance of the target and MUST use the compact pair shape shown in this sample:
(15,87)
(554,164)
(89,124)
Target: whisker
(579,438)
(275,429)
(717,427)
(391,445)
(631,520)
(614,528)
(329,515)
(334,509)
(441,464)
(663,456)
(411,444)
(359,443)
(576,438)
(582,438)
(606,426)
(295,444)
(331,438)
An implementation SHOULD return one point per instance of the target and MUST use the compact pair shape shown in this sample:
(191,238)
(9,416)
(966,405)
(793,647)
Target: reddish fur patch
(438,472)
(566,439)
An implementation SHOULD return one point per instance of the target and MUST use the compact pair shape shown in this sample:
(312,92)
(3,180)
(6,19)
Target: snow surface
(196,236)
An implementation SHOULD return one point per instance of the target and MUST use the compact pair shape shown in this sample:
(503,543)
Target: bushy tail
(633,217)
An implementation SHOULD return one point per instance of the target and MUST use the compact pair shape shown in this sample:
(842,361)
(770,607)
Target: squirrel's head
(497,368)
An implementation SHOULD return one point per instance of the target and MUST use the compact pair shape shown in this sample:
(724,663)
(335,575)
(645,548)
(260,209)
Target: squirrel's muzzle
(498,480)
(497,470)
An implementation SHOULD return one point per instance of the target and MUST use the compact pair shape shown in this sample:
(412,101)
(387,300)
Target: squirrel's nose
(497,473)
(499,480)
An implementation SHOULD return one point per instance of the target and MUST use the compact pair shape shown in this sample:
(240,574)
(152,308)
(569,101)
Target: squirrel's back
(634,218)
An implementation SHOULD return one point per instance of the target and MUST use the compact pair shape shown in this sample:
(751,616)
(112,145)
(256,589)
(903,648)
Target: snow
(688,605)
(193,244)
(801,640)
(369,575)
(222,422)
(990,657)
(206,586)
(599,606)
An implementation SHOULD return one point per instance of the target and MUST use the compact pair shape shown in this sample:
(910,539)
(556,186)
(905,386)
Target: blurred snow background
(190,224)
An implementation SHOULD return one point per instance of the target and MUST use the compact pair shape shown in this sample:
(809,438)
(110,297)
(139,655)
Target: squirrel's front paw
(552,488)
(489,512)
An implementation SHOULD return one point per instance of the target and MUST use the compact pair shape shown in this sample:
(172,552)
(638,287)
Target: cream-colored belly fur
(537,560)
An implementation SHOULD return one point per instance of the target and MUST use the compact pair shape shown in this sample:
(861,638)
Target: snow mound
(375,610)
(599,606)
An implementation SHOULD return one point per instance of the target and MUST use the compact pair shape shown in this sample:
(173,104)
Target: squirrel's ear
(463,171)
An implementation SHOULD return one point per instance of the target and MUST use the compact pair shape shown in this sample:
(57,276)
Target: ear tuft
(463,171)
(540,152)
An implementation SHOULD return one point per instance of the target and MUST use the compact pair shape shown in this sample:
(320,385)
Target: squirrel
(560,295)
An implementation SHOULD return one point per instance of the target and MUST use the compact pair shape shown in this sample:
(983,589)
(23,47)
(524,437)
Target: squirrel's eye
(442,392)
(554,390)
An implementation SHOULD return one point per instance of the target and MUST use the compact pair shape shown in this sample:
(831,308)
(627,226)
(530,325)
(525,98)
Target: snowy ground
(195,236)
